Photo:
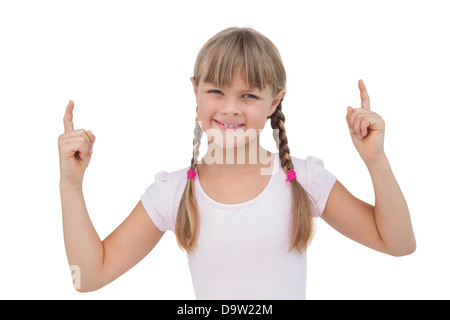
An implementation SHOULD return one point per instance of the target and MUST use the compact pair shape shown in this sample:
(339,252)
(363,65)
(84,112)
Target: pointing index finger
(68,117)
(365,100)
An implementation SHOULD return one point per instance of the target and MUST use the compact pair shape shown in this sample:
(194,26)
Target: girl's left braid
(277,122)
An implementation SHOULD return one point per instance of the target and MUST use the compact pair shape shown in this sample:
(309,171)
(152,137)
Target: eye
(250,96)
(215,91)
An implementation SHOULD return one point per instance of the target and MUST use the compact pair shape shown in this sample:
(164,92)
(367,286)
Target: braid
(198,133)
(186,225)
(302,219)
(277,122)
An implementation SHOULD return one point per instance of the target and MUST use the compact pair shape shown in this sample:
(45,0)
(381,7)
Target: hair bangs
(240,49)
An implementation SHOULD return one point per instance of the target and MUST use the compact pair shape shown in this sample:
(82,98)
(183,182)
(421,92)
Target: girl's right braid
(186,225)
(198,133)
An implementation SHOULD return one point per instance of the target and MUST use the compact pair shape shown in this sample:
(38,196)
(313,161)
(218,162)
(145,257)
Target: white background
(126,65)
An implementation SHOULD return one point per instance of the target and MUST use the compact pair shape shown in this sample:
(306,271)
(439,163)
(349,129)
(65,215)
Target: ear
(279,97)
(195,88)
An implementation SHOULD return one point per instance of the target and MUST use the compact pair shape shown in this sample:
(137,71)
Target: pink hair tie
(291,175)
(191,174)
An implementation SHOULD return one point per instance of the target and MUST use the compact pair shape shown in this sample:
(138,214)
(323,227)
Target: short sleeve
(319,183)
(156,201)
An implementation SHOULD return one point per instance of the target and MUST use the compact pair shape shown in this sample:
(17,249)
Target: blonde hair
(260,62)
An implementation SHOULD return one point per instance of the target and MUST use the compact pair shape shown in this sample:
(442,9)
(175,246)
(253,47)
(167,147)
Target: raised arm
(97,262)
(385,227)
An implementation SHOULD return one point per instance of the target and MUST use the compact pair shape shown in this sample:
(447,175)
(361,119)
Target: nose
(231,108)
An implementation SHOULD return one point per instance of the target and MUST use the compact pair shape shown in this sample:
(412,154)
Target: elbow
(86,288)
(404,250)
(87,283)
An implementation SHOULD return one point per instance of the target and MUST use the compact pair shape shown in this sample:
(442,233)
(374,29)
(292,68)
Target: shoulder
(161,198)
(166,182)
(310,169)
(316,179)
(172,180)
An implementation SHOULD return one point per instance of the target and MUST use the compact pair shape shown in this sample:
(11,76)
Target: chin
(232,139)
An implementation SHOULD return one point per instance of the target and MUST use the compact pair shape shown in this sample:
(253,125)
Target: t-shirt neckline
(234,206)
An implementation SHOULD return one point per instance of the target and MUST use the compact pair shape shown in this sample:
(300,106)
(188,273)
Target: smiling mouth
(228,125)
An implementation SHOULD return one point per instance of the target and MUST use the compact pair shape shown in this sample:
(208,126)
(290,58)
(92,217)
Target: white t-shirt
(243,249)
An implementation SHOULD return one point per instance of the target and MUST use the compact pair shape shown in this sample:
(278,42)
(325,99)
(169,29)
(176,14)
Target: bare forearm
(391,210)
(83,246)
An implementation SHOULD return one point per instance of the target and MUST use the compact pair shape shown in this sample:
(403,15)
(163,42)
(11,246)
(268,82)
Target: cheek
(205,114)
(256,119)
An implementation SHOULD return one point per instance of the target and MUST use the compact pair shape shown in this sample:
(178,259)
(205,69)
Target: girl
(245,231)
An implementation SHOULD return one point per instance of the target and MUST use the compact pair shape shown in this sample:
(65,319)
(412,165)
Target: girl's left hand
(366,128)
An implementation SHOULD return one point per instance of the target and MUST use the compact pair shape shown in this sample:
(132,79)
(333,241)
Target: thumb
(92,138)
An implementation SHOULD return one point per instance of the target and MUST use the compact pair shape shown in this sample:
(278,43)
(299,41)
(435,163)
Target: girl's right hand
(75,150)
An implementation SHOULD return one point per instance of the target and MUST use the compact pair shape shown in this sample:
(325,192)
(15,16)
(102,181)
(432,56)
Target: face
(233,116)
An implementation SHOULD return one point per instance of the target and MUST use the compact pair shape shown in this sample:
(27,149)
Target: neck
(235,161)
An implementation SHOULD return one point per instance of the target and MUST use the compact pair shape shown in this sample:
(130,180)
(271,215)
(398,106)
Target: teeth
(231,125)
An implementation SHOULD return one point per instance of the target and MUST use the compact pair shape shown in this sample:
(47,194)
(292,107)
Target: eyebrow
(247,89)
(254,90)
